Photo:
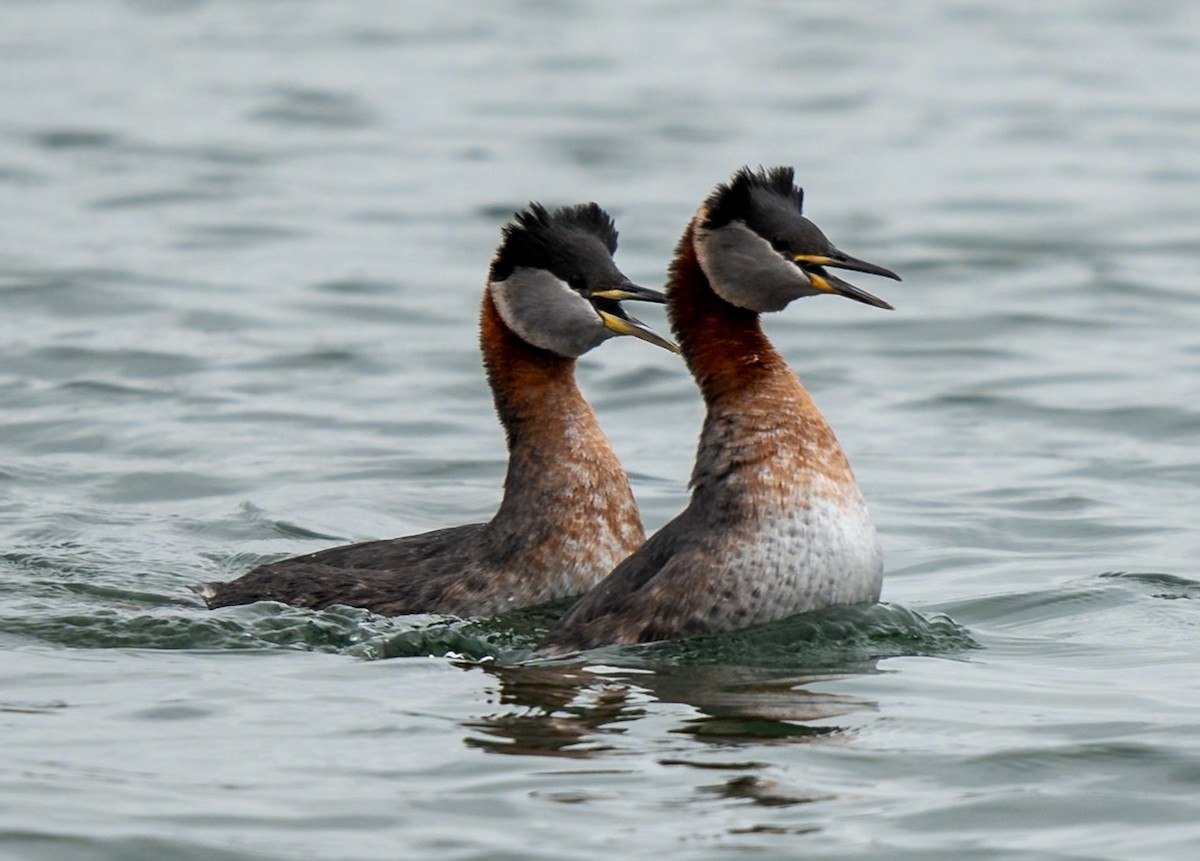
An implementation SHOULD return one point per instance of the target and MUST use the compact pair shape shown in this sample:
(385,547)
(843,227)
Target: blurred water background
(241,251)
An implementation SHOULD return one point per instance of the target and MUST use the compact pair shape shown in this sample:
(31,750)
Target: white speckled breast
(818,551)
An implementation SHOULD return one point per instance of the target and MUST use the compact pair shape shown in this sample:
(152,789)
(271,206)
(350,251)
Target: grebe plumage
(776,524)
(568,514)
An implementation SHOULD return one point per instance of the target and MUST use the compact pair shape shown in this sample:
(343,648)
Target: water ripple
(239,321)
(313,108)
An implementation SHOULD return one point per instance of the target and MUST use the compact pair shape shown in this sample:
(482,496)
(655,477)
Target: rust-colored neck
(761,424)
(533,389)
(723,345)
(560,462)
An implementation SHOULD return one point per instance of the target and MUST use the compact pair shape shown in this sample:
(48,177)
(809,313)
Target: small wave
(324,109)
(842,636)
(1158,584)
(261,626)
(838,636)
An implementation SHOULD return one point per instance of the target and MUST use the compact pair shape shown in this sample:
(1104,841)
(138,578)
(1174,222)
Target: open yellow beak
(636,328)
(827,283)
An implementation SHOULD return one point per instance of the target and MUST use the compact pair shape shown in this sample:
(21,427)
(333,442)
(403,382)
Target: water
(242,250)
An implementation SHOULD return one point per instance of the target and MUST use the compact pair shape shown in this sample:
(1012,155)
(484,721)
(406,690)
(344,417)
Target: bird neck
(723,345)
(761,423)
(560,461)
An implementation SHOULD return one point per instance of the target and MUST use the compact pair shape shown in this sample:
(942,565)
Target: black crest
(738,199)
(540,239)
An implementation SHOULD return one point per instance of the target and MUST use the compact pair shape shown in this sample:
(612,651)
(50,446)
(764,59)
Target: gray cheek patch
(746,271)
(543,311)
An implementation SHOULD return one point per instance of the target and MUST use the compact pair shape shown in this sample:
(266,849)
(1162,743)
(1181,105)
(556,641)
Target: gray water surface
(241,252)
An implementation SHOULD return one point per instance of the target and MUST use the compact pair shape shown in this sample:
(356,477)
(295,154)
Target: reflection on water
(581,712)
(238,303)
(553,711)
(768,793)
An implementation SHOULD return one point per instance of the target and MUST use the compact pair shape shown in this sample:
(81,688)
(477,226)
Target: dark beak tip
(881,271)
(638,293)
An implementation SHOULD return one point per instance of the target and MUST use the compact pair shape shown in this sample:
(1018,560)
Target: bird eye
(780,245)
(577,283)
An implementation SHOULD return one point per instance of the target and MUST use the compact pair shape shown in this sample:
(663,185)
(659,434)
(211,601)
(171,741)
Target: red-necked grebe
(776,524)
(568,515)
